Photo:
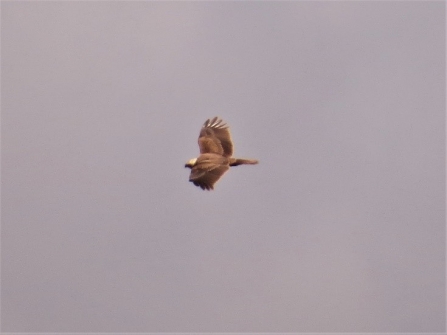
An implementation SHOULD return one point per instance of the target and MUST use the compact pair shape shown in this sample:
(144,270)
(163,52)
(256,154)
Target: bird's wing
(206,179)
(215,138)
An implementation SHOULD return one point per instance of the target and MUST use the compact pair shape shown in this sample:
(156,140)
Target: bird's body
(216,149)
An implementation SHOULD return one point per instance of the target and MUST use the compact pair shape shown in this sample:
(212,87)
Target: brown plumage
(216,149)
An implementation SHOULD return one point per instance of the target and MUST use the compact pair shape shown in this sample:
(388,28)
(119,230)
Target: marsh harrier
(215,158)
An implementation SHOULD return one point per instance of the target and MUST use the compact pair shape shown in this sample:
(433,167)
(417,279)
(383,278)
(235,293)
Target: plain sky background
(341,227)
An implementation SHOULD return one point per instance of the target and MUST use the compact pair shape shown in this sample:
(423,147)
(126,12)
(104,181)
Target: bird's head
(191,163)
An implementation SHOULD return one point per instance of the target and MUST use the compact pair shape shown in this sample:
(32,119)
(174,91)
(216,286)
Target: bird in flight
(216,149)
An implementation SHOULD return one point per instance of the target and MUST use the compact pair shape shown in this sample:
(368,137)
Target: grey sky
(341,227)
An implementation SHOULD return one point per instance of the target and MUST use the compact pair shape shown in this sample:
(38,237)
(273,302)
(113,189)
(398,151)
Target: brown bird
(216,149)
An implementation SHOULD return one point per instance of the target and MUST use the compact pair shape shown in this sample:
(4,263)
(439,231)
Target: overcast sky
(340,228)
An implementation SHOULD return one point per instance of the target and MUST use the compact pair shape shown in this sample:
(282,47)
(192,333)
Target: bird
(216,149)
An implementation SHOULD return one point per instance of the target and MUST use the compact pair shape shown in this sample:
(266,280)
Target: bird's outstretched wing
(215,138)
(206,179)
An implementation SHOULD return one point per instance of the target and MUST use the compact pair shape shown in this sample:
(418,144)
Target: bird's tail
(240,161)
